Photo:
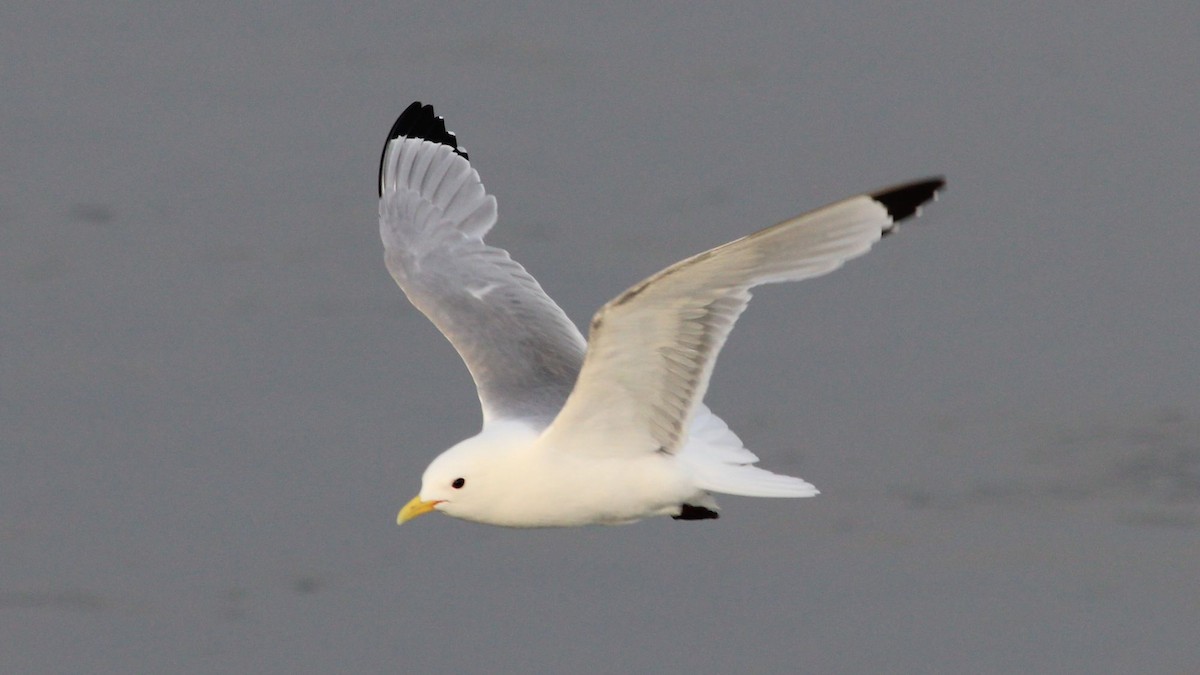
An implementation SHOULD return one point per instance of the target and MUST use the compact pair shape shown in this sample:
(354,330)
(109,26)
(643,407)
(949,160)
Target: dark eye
(458,483)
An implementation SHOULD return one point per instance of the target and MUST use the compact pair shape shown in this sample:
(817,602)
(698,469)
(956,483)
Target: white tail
(748,480)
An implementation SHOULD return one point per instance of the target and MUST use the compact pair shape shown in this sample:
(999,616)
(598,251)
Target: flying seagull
(612,429)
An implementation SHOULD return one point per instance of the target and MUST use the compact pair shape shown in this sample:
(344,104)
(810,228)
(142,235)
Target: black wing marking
(419,121)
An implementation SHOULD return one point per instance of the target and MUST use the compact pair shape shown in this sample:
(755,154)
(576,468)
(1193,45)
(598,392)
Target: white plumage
(609,431)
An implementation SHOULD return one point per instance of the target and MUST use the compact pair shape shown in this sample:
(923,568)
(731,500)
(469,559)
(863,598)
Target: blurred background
(213,399)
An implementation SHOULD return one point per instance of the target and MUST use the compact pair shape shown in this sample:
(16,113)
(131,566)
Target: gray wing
(523,352)
(653,347)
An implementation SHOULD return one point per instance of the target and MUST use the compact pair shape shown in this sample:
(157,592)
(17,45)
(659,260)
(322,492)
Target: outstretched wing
(653,347)
(522,351)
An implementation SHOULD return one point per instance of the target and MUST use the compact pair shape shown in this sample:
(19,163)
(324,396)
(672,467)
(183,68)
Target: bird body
(605,431)
(503,457)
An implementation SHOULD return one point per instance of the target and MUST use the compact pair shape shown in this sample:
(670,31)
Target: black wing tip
(903,201)
(419,121)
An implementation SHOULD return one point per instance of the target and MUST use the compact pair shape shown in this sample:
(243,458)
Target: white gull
(612,430)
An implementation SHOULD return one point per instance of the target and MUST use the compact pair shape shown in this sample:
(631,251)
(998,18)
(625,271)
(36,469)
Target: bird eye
(458,483)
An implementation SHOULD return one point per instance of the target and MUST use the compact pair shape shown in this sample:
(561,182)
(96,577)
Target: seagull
(612,429)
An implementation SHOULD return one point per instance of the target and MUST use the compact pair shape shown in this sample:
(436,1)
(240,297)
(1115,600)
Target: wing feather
(652,348)
(522,350)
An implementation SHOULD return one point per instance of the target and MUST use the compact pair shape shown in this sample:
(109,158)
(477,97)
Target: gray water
(213,399)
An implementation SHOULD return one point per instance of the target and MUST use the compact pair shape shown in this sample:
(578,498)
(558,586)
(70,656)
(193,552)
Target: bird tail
(720,463)
(749,481)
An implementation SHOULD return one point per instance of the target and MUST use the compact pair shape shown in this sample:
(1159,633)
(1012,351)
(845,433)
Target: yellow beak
(415,508)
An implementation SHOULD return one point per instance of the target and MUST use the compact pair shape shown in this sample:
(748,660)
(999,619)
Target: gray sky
(213,399)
